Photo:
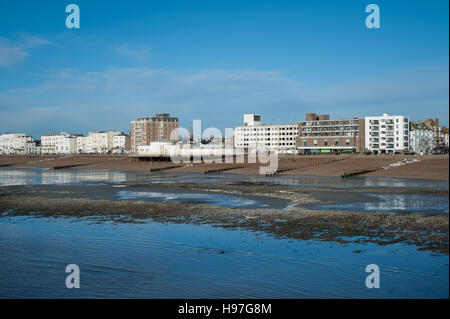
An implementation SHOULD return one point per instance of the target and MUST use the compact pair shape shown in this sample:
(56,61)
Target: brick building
(319,134)
(150,129)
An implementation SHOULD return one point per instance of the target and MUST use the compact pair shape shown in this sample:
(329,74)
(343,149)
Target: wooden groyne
(71,166)
(356,173)
(161,169)
(220,170)
(281,170)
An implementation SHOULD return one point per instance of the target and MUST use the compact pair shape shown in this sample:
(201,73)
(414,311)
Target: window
(304,143)
(347,142)
(315,142)
(325,143)
(336,142)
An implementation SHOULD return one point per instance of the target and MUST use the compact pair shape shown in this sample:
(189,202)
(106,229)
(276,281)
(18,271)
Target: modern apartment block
(319,134)
(17,143)
(255,135)
(150,129)
(387,134)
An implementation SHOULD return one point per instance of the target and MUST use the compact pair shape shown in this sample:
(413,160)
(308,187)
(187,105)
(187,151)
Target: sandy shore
(434,167)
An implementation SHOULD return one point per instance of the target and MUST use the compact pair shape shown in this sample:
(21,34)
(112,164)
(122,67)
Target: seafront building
(255,135)
(101,142)
(58,143)
(17,143)
(81,144)
(421,141)
(150,129)
(387,134)
(95,143)
(319,134)
(121,143)
(427,136)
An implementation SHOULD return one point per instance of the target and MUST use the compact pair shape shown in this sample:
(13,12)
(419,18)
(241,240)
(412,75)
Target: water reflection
(220,200)
(38,176)
(395,203)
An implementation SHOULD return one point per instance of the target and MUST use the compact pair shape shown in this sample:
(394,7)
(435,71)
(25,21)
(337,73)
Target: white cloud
(13,54)
(139,54)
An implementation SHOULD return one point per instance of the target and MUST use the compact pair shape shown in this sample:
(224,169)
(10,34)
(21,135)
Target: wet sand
(427,232)
(433,167)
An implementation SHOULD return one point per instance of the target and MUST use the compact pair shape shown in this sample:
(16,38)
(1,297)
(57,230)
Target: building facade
(121,143)
(17,143)
(429,129)
(65,143)
(150,129)
(255,135)
(319,134)
(101,142)
(81,144)
(421,141)
(387,134)
(59,143)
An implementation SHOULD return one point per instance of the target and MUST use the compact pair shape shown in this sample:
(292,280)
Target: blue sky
(215,60)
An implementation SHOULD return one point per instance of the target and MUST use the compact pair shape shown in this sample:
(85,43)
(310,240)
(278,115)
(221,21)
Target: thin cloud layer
(139,54)
(110,99)
(13,54)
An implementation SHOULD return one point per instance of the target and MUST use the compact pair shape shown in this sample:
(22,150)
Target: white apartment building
(59,143)
(422,141)
(121,143)
(255,135)
(387,134)
(101,142)
(17,143)
(81,144)
(95,142)
(32,148)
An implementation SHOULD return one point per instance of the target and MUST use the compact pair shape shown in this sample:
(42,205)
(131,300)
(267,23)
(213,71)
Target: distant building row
(65,143)
(386,134)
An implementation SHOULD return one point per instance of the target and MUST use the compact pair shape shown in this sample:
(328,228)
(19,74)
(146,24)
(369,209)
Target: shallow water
(397,203)
(42,176)
(155,260)
(120,181)
(220,200)
(39,176)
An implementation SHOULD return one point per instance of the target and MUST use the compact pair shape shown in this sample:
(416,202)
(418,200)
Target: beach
(372,209)
(434,167)
(176,229)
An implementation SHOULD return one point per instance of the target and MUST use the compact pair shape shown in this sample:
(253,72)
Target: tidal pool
(214,199)
(398,203)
